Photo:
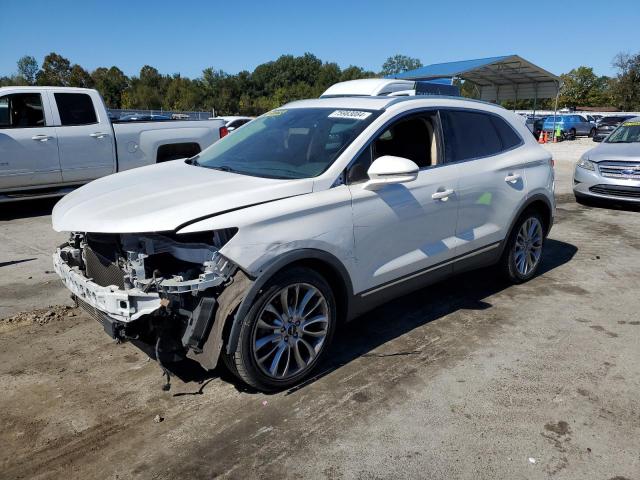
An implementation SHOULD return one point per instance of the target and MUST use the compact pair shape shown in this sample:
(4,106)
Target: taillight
(223,132)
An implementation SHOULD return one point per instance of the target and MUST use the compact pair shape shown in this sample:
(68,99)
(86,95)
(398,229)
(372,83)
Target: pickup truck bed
(53,139)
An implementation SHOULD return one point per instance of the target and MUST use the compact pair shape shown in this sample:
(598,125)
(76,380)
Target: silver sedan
(611,171)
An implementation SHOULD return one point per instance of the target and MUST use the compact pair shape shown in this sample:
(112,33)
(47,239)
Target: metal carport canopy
(508,77)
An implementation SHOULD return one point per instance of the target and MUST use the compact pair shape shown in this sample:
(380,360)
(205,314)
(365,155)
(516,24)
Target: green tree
(182,94)
(399,63)
(625,88)
(582,87)
(111,83)
(55,71)
(79,77)
(147,91)
(27,69)
(355,73)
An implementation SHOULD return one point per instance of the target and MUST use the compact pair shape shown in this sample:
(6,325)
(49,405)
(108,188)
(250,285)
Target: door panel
(489,189)
(86,145)
(28,147)
(28,156)
(400,229)
(491,181)
(83,156)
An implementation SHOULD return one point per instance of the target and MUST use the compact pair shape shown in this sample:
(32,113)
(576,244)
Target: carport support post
(555,110)
(535,102)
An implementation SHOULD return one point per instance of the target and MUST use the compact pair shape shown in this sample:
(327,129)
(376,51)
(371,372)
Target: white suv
(258,247)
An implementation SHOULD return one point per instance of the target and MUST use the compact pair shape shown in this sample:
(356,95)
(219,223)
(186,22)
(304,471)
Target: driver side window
(21,110)
(415,138)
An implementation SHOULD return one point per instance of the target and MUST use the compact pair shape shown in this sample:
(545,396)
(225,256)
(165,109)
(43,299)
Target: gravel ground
(470,379)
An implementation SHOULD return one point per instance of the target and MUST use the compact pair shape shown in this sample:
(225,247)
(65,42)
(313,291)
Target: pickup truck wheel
(286,332)
(523,252)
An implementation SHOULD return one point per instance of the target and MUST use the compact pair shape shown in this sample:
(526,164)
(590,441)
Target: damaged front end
(161,289)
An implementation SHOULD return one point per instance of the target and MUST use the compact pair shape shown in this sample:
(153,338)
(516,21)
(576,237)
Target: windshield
(628,132)
(551,120)
(287,143)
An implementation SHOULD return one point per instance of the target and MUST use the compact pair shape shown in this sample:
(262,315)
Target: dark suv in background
(608,125)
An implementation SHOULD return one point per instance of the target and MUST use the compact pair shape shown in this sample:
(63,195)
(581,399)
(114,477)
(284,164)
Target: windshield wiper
(227,168)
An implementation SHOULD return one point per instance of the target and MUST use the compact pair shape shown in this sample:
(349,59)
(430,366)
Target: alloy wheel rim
(528,247)
(290,331)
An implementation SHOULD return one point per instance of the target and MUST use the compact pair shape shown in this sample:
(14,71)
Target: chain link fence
(124,114)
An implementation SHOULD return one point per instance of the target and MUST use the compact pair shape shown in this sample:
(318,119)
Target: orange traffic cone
(542,138)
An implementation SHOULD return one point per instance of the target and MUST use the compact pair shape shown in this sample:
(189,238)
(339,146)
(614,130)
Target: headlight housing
(587,164)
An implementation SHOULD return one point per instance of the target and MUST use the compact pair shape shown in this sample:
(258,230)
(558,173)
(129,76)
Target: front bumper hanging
(121,305)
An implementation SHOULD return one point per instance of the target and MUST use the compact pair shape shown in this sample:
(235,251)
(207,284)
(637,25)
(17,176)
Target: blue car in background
(570,125)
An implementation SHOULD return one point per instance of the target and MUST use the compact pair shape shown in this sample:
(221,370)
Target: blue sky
(186,36)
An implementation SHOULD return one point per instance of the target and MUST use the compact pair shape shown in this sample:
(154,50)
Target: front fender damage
(227,305)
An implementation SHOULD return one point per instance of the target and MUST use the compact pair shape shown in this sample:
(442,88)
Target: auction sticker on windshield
(274,113)
(351,114)
(631,124)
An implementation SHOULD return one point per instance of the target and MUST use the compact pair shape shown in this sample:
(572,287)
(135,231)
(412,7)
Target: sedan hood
(620,152)
(164,197)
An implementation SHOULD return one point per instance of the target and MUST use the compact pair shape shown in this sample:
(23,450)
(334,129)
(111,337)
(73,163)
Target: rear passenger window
(508,136)
(75,109)
(469,135)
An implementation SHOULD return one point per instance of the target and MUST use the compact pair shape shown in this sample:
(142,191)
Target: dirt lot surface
(470,379)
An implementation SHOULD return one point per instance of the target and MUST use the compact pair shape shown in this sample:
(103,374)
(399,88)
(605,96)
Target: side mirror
(388,170)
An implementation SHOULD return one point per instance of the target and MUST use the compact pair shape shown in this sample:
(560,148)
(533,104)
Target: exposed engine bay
(160,289)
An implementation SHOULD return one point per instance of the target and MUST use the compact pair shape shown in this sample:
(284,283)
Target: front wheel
(523,251)
(592,133)
(286,332)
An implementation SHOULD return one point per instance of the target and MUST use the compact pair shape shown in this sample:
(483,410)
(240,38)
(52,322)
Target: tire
(592,133)
(523,253)
(270,336)
(572,133)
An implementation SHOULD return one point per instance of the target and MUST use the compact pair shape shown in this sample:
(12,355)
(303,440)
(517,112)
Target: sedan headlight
(586,164)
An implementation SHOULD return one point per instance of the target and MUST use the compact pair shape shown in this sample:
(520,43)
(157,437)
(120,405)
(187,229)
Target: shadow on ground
(27,208)
(364,334)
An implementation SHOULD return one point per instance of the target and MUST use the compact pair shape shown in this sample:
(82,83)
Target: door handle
(442,195)
(41,138)
(512,178)
(98,135)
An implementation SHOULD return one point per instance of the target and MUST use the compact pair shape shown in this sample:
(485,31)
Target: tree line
(288,78)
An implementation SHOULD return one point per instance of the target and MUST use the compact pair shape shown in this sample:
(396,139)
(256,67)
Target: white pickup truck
(53,139)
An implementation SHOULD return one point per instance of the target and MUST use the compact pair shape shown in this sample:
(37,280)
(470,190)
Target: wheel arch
(323,262)
(541,203)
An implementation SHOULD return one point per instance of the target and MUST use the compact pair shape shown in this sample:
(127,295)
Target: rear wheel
(592,133)
(286,332)
(523,252)
(572,133)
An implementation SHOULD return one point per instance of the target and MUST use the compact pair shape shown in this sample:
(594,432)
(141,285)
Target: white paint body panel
(160,198)
(400,229)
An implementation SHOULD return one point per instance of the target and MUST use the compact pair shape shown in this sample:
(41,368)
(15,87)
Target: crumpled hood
(620,152)
(163,197)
